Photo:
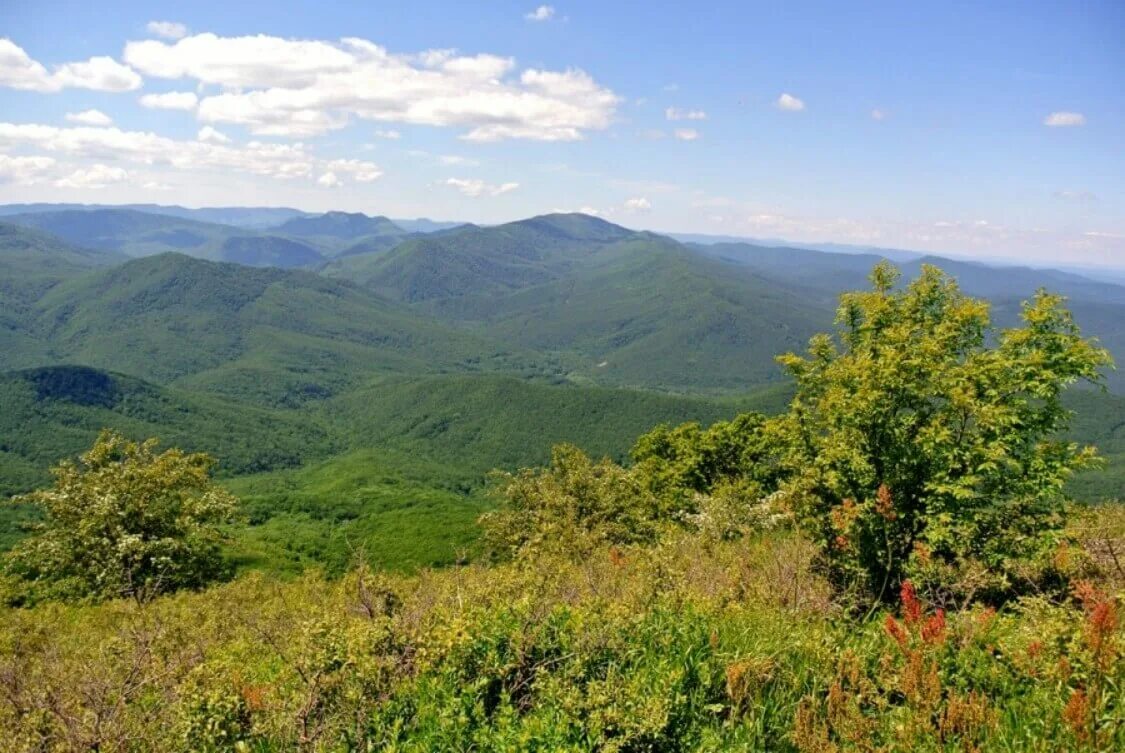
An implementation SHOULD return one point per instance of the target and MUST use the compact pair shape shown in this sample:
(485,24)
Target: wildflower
(911,607)
(884,503)
(895,630)
(933,629)
(1077,714)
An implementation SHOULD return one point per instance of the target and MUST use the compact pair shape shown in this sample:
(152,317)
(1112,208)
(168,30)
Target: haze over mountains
(275,339)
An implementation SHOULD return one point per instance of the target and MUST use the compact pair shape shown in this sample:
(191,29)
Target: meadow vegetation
(890,564)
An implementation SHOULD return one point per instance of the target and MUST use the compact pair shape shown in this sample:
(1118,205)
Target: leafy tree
(572,504)
(679,462)
(123,521)
(921,443)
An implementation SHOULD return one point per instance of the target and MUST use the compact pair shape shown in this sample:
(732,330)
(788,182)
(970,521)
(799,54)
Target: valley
(357,381)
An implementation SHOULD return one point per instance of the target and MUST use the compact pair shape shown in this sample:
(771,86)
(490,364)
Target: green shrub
(920,436)
(123,521)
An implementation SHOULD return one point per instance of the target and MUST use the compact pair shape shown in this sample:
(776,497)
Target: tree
(571,505)
(679,462)
(923,444)
(123,521)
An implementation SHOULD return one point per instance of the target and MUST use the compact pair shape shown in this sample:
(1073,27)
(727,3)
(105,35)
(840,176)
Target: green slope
(480,261)
(142,233)
(264,334)
(55,412)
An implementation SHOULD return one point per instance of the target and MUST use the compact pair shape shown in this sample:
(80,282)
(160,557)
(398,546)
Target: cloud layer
(299,88)
(19,71)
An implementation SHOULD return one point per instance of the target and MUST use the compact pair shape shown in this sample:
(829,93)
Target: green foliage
(573,504)
(681,462)
(124,521)
(686,646)
(915,447)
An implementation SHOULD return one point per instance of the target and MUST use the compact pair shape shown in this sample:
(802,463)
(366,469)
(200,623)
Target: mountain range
(276,339)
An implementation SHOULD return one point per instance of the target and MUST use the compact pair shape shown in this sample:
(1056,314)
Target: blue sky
(981,129)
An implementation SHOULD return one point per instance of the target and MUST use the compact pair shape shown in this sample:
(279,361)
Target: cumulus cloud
(387,134)
(476,188)
(19,71)
(789,103)
(170,101)
(89,117)
(25,171)
(686,134)
(674,113)
(328,180)
(96,176)
(212,136)
(1064,119)
(639,204)
(273,160)
(167,29)
(276,86)
(542,13)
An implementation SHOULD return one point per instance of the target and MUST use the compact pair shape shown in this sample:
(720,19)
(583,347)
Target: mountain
(31,263)
(348,225)
(138,233)
(245,217)
(55,412)
(476,260)
(260,334)
(426,225)
(637,308)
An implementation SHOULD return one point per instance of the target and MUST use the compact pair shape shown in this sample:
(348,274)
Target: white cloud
(673,113)
(89,117)
(639,204)
(1063,119)
(273,160)
(878,114)
(96,176)
(19,71)
(476,188)
(212,136)
(789,103)
(361,172)
(387,134)
(329,180)
(542,13)
(25,171)
(170,101)
(286,87)
(686,134)
(167,29)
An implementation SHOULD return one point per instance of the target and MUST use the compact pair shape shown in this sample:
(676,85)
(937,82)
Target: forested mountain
(260,333)
(377,387)
(137,233)
(339,225)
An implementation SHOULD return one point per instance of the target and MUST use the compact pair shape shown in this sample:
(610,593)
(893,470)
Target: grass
(691,645)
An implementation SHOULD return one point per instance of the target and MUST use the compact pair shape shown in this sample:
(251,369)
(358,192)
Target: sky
(991,130)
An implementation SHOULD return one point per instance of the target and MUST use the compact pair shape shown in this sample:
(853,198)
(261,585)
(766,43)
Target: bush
(920,437)
(123,521)
(572,504)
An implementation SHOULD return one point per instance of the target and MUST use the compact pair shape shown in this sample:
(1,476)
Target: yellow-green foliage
(916,446)
(687,645)
(124,521)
